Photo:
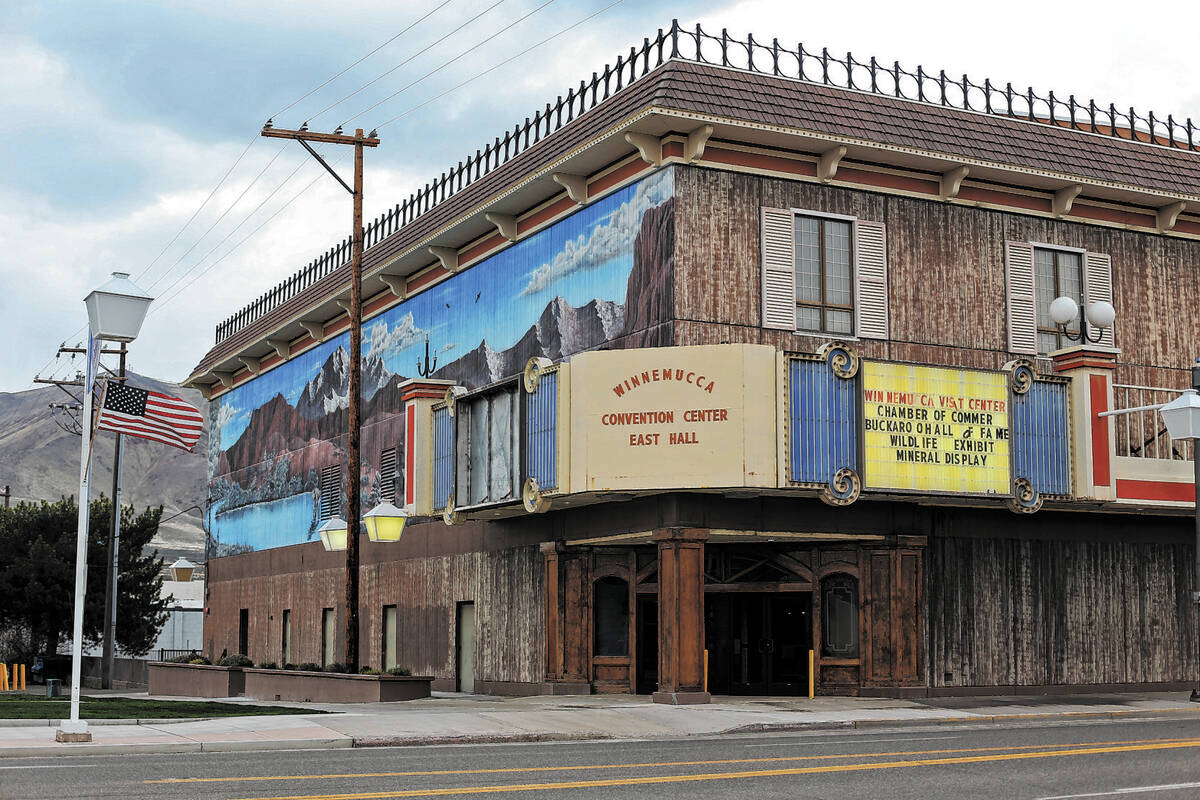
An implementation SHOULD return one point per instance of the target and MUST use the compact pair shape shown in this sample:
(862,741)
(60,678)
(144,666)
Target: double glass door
(758,642)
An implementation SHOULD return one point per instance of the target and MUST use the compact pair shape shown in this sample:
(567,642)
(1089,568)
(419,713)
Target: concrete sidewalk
(452,718)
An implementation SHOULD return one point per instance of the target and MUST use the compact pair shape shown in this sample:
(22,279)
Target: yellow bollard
(811,677)
(22,677)
(706,669)
(3,677)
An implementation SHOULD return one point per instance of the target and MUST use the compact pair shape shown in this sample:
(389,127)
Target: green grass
(31,707)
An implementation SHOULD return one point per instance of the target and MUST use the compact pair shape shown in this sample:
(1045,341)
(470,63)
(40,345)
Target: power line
(508,60)
(311,92)
(248,236)
(405,61)
(234,230)
(199,208)
(217,221)
(470,49)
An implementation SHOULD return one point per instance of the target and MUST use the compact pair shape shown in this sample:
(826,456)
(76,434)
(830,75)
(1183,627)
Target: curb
(931,722)
(253,745)
(51,750)
(484,738)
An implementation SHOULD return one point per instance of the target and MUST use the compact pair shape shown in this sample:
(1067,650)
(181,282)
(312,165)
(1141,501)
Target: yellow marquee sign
(931,429)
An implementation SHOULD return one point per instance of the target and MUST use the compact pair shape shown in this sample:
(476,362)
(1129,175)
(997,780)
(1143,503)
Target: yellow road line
(725,776)
(570,767)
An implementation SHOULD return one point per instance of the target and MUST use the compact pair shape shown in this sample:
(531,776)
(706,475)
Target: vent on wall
(389,482)
(330,491)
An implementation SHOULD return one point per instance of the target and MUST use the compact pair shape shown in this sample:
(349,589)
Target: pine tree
(37,577)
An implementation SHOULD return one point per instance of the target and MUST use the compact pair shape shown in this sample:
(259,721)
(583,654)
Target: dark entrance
(647,644)
(758,642)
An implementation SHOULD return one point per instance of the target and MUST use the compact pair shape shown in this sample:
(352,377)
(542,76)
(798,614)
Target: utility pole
(353,456)
(113,553)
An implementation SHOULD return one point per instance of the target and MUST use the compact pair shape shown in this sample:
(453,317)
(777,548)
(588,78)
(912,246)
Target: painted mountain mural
(601,278)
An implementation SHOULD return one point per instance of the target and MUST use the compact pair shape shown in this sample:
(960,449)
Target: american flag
(149,415)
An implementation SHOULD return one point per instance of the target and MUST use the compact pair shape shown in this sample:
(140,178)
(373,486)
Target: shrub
(371,671)
(268,665)
(186,658)
(402,672)
(290,665)
(308,666)
(336,666)
(235,660)
(199,660)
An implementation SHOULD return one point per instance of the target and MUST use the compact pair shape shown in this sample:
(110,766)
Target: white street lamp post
(115,313)
(1182,417)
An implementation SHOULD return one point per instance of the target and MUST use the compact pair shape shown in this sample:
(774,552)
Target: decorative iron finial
(427,369)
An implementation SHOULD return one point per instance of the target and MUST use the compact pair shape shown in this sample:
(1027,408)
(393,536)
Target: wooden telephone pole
(353,455)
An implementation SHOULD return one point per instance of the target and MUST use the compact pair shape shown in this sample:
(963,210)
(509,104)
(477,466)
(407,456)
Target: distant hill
(40,461)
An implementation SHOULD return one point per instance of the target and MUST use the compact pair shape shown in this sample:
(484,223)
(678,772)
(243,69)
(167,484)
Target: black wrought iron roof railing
(677,43)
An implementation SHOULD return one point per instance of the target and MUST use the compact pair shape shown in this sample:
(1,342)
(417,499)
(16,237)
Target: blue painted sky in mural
(584,257)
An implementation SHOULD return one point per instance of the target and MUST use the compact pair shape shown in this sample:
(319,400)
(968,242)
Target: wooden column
(567,605)
(681,615)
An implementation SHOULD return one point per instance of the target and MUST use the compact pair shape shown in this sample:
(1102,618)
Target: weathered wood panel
(946,275)
(1030,612)
(505,585)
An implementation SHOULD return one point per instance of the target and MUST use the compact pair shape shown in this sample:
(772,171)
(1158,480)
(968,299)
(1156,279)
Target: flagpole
(76,729)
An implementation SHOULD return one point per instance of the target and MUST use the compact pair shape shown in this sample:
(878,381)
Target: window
(244,631)
(328,620)
(611,617)
(1056,273)
(840,625)
(488,434)
(824,275)
(389,637)
(286,644)
(330,491)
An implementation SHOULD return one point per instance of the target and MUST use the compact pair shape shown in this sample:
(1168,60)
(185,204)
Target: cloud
(608,240)
(384,343)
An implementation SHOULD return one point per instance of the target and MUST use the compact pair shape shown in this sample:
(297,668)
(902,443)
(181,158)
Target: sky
(118,120)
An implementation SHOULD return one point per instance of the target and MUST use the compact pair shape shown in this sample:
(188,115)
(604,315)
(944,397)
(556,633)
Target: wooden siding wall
(1033,612)
(946,275)
(505,585)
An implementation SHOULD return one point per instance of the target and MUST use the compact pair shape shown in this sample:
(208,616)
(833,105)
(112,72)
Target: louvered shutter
(871,279)
(329,492)
(1022,305)
(387,475)
(779,268)
(1097,285)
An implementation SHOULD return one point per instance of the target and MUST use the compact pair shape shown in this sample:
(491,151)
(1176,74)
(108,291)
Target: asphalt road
(1157,759)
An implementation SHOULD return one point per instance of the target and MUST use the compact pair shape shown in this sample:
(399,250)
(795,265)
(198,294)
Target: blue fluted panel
(443,457)
(541,432)
(823,423)
(1042,437)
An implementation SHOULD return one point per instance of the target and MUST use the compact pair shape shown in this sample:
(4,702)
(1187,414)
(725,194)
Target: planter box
(333,687)
(195,680)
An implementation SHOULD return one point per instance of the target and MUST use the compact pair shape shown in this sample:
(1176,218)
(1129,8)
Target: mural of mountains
(561,330)
(40,461)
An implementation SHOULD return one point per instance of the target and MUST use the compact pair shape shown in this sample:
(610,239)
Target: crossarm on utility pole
(325,164)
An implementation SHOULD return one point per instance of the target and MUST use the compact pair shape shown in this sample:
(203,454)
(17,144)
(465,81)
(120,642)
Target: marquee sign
(931,429)
(687,417)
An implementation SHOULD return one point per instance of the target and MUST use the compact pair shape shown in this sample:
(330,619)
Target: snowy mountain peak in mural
(600,278)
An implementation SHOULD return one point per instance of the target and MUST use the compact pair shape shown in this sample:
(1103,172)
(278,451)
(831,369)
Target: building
(742,354)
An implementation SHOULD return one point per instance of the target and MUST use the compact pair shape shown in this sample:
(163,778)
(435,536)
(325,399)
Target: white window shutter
(1097,285)
(1022,304)
(871,279)
(779,268)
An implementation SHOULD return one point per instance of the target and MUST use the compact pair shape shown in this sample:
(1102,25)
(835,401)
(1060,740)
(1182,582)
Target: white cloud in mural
(608,240)
(381,342)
